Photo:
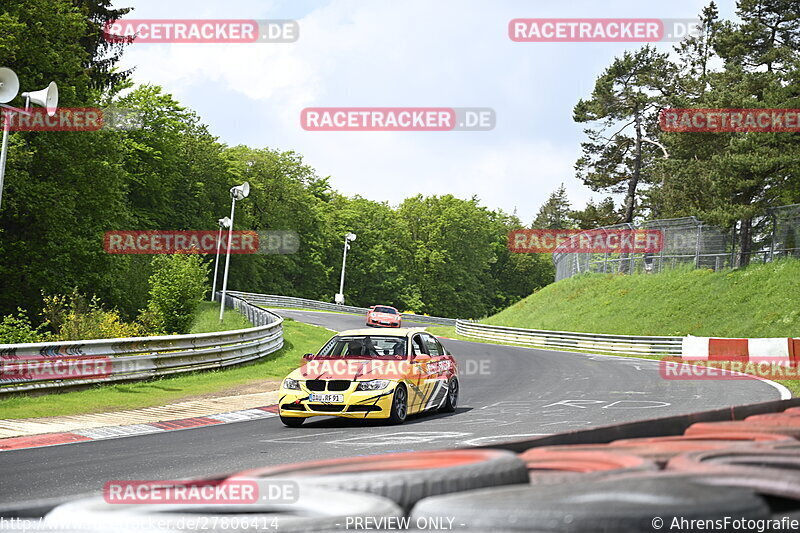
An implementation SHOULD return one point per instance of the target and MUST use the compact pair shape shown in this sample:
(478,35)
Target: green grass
(299,339)
(206,319)
(759,301)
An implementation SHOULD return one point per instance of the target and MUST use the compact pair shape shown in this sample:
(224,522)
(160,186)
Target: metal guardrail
(272,300)
(137,358)
(618,344)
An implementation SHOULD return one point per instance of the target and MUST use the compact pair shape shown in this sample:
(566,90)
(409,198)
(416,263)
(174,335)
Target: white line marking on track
(482,441)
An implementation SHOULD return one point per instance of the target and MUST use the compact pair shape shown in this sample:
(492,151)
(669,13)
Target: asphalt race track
(507,393)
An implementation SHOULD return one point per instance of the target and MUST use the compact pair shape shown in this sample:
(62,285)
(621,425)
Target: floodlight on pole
(224,223)
(350,237)
(240,192)
(9,87)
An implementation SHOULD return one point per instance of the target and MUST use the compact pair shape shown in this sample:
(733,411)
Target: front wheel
(399,406)
(451,402)
(292,421)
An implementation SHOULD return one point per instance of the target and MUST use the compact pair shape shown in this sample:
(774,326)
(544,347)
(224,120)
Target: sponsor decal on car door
(417,380)
(438,370)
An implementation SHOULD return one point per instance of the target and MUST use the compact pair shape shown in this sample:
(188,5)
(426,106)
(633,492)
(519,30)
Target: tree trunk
(745,225)
(633,182)
(630,198)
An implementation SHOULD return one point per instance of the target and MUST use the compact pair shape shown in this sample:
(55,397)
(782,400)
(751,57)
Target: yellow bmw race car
(365,373)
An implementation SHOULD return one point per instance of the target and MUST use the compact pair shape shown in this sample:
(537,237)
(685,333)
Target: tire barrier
(405,478)
(733,460)
(314,509)
(780,427)
(774,417)
(42,365)
(625,505)
(662,449)
(557,464)
(618,479)
(773,470)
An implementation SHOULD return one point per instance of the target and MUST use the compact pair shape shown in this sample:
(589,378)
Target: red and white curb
(722,349)
(110,432)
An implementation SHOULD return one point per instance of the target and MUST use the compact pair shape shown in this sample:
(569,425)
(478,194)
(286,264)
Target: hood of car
(384,316)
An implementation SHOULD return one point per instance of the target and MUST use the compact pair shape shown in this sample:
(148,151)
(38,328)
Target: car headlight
(375,384)
(290,383)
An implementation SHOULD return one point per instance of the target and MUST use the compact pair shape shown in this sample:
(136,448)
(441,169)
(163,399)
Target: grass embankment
(758,301)
(299,338)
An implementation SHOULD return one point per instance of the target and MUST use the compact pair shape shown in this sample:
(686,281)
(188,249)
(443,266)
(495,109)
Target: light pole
(223,223)
(9,87)
(239,192)
(350,237)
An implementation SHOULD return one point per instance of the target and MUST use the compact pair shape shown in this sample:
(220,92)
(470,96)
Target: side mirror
(372,307)
(308,356)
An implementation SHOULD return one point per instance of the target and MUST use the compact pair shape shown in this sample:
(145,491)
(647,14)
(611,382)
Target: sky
(391,53)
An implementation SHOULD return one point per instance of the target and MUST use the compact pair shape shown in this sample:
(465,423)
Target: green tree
(731,179)
(628,95)
(596,215)
(177,286)
(554,213)
(62,189)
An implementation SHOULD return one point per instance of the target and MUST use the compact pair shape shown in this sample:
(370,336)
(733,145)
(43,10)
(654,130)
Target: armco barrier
(272,300)
(143,357)
(621,344)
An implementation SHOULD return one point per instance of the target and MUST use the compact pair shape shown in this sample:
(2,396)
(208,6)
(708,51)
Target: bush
(18,329)
(76,317)
(177,286)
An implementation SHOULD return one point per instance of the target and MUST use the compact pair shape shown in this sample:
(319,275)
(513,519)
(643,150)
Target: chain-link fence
(688,240)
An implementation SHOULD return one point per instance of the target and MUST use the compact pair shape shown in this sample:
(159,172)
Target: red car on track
(384,316)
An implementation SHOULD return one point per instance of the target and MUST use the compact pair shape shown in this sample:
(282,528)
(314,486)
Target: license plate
(333,398)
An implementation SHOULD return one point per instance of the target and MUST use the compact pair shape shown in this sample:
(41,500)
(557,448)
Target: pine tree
(554,213)
(627,96)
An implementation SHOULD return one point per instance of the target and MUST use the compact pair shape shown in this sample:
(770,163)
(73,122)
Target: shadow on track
(336,422)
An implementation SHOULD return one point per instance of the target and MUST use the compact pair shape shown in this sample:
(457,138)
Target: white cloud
(387,53)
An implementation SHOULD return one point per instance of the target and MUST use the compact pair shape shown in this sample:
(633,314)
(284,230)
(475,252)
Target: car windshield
(387,310)
(365,346)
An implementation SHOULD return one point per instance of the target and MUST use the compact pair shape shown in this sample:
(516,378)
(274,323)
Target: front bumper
(383,324)
(357,404)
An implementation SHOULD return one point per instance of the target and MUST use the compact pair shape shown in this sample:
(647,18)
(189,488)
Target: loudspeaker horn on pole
(240,191)
(47,97)
(9,85)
